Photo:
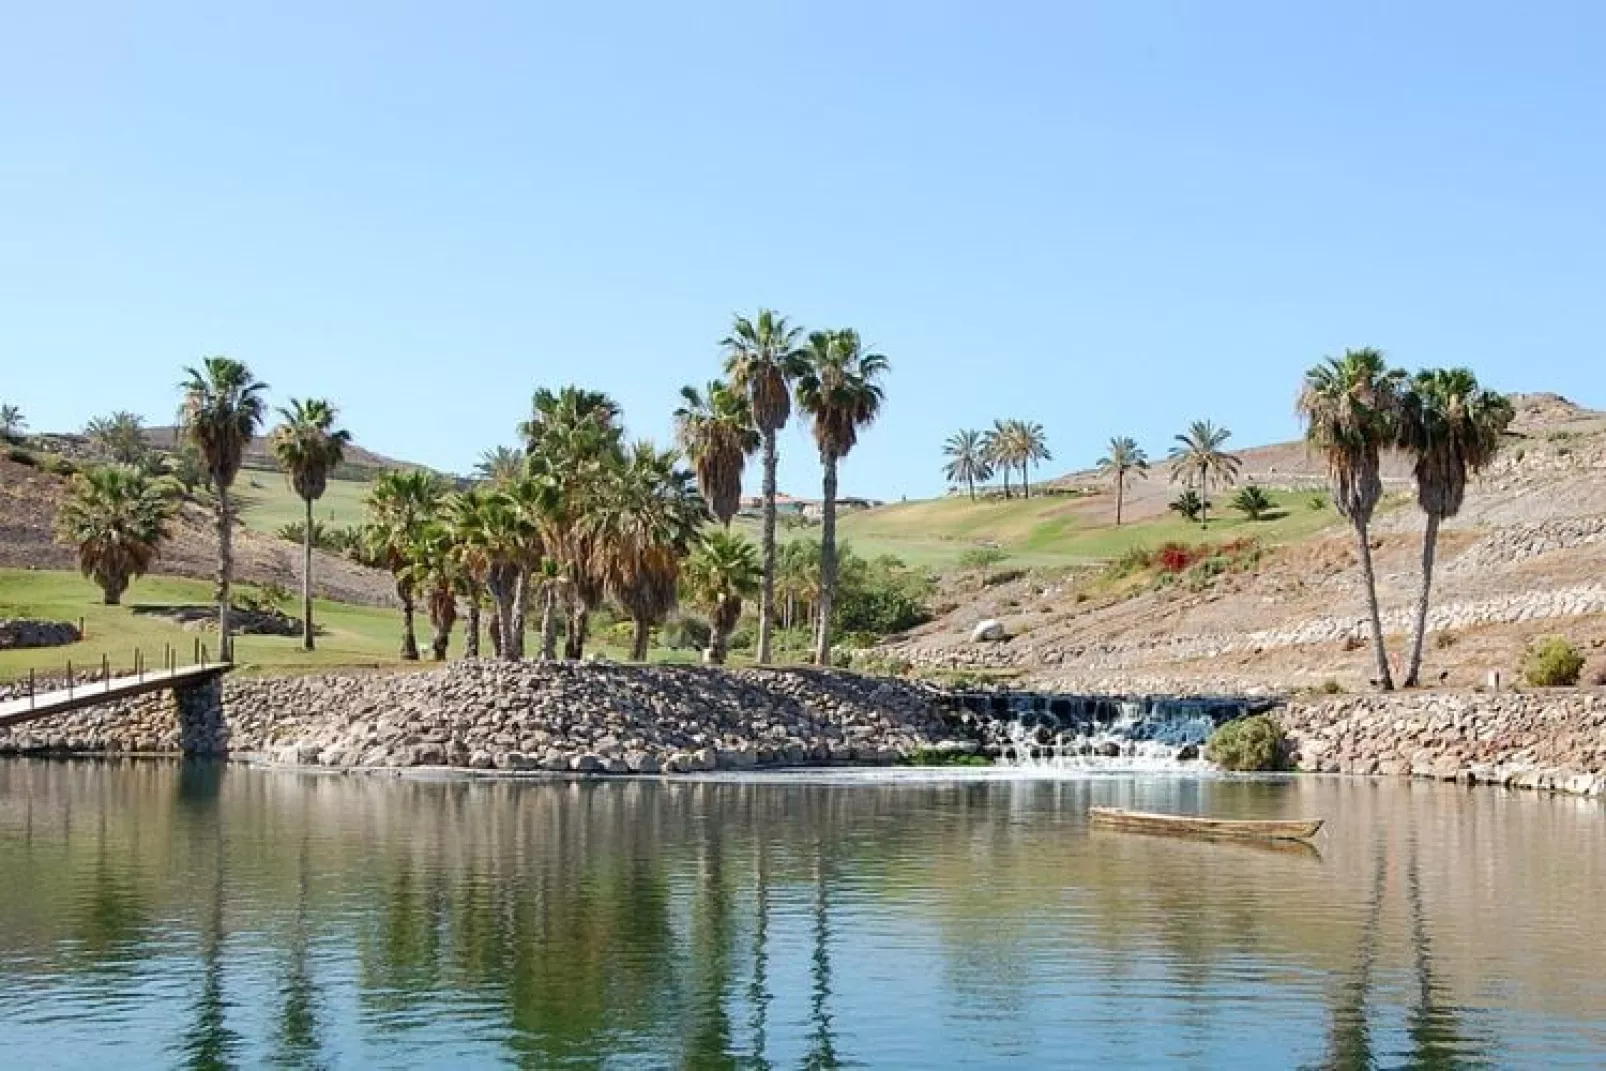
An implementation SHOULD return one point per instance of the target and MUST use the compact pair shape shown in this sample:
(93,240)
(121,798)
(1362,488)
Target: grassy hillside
(1049,531)
(267,502)
(352,635)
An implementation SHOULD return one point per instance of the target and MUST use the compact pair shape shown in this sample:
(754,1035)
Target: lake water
(155,914)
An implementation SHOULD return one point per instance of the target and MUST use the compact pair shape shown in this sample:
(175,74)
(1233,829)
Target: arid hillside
(29,498)
(1526,557)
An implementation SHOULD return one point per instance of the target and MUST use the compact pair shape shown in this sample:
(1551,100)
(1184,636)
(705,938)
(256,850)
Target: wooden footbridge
(109,689)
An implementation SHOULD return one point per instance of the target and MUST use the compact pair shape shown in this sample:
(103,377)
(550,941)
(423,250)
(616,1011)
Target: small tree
(1189,504)
(12,422)
(116,518)
(120,436)
(1252,502)
(1552,663)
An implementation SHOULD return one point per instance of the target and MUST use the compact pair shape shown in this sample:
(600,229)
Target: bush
(1190,505)
(684,633)
(1253,502)
(1552,663)
(982,558)
(1317,503)
(1252,743)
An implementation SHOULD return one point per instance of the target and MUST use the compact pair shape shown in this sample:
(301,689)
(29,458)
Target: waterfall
(1058,732)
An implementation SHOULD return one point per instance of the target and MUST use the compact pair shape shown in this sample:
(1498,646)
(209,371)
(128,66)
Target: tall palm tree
(714,427)
(573,441)
(642,525)
(1350,406)
(117,520)
(309,447)
(841,392)
(1124,461)
(1030,448)
(762,359)
(223,408)
(500,465)
(400,509)
(723,570)
(1198,459)
(968,460)
(1001,449)
(496,540)
(435,569)
(1451,428)
(12,422)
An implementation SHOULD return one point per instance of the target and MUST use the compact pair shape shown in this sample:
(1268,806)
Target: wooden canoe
(1193,825)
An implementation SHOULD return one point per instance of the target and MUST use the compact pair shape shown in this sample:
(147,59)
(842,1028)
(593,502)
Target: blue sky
(1107,217)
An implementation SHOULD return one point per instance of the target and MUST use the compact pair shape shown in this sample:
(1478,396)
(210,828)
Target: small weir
(1052,731)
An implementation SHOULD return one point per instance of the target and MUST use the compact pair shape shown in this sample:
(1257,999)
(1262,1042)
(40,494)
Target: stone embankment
(1551,740)
(592,718)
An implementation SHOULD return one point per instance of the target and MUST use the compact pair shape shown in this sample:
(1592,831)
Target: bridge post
(201,729)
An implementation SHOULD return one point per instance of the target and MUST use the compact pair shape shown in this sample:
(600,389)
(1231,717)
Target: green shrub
(1253,502)
(683,632)
(930,756)
(982,558)
(1252,743)
(1317,503)
(1552,663)
(55,464)
(21,456)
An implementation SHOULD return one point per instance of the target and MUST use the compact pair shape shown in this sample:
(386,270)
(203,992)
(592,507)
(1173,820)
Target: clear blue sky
(1108,217)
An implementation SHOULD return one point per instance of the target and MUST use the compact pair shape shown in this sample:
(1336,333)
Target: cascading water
(1060,732)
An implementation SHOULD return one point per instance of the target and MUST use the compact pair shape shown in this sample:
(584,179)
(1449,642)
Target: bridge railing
(172,661)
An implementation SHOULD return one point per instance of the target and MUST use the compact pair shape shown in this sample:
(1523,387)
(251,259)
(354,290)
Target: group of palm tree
(1009,446)
(1450,427)
(575,516)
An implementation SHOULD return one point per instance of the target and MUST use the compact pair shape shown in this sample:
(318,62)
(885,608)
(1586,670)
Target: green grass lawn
(1050,531)
(350,635)
(267,503)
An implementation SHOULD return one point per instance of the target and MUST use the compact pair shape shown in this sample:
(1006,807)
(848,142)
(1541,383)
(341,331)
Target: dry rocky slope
(29,499)
(1526,557)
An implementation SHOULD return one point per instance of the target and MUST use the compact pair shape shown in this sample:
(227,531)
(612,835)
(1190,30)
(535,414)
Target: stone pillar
(201,729)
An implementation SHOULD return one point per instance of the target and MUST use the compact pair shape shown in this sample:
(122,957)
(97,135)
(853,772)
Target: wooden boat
(1194,825)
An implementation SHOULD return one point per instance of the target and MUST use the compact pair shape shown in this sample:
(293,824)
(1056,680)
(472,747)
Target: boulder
(989,631)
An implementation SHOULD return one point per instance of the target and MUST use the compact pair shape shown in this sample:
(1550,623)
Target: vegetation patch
(1552,662)
(1254,743)
(931,756)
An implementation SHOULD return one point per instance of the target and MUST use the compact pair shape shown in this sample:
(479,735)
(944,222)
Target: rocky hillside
(1526,557)
(29,498)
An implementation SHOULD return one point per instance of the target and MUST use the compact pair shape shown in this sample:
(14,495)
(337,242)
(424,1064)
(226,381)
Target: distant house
(785,506)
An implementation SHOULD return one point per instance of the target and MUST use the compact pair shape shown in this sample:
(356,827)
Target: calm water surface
(166,915)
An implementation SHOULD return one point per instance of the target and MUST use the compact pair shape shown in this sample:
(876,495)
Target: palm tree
(434,568)
(1030,446)
(840,391)
(714,427)
(117,520)
(1252,502)
(500,465)
(572,442)
(1124,461)
(400,508)
(1198,458)
(1451,428)
(120,436)
(223,408)
(1350,406)
(12,422)
(496,540)
(722,571)
(968,460)
(642,525)
(762,359)
(309,447)
(1000,447)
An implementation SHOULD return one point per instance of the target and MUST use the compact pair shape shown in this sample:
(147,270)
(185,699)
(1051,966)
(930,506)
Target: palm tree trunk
(306,579)
(970,482)
(1025,481)
(574,644)
(471,642)
(409,647)
(822,639)
(1363,547)
(518,604)
(638,643)
(225,573)
(1430,545)
(1120,496)
(549,624)
(1006,480)
(766,599)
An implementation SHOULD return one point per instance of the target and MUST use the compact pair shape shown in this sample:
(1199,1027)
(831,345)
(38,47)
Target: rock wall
(591,718)
(191,721)
(16,633)
(1551,740)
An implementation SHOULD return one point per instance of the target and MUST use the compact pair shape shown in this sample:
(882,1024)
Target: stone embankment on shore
(557,717)
(1550,740)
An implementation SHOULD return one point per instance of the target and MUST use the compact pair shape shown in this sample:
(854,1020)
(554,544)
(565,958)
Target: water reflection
(217,917)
